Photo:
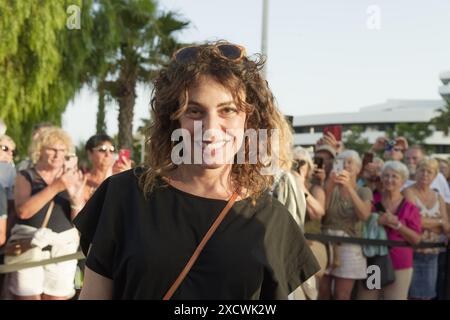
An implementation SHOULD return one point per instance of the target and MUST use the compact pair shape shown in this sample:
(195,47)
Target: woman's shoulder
(270,209)
(128,180)
(410,207)
(411,190)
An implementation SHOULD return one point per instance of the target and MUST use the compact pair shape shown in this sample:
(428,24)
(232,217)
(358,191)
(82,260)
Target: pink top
(409,215)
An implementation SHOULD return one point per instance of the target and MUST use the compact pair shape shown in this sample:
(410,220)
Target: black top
(257,252)
(60,219)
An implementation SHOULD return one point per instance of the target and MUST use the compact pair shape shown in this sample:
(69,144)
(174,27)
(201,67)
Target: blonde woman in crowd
(53,178)
(435,227)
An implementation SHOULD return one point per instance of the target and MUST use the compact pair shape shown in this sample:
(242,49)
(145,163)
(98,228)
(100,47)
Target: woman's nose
(211,127)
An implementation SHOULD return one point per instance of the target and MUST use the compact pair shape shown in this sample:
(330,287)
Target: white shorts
(353,264)
(53,279)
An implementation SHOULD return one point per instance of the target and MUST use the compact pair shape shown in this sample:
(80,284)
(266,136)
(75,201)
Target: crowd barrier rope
(310,236)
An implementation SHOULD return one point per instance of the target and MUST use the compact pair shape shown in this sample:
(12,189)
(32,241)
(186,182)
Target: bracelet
(398,226)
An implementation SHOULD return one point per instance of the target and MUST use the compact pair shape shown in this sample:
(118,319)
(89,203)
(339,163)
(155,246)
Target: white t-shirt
(8,178)
(439,183)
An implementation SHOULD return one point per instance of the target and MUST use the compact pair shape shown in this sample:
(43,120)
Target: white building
(376,119)
(444,90)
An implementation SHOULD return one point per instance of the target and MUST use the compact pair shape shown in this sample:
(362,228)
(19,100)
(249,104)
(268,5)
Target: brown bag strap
(48,214)
(199,248)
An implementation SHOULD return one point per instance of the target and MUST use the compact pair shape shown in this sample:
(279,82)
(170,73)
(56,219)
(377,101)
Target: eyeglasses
(397,149)
(55,150)
(229,51)
(6,149)
(104,149)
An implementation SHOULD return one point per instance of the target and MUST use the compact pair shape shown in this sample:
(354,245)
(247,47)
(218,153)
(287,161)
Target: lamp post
(265,23)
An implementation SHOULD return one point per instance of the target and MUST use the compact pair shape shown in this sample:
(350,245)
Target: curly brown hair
(169,102)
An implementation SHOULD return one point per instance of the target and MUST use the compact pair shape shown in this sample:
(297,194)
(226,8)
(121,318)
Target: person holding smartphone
(347,206)
(52,182)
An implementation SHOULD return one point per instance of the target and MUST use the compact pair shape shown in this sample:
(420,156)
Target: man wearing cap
(327,153)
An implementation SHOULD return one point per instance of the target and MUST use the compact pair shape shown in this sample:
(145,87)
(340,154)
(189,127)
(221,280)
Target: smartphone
(338,165)
(71,162)
(379,207)
(318,161)
(124,154)
(368,158)
(336,130)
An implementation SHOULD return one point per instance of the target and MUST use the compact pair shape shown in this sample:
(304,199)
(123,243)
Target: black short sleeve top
(258,251)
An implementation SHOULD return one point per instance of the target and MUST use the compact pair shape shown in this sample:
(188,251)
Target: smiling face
(351,166)
(392,180)
(213,106)
(53,155)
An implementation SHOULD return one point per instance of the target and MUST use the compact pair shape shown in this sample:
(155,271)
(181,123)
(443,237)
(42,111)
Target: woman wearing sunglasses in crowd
(101,152)
(51,187)
(143,226)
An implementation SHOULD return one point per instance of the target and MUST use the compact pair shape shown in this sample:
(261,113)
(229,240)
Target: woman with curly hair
(142,226)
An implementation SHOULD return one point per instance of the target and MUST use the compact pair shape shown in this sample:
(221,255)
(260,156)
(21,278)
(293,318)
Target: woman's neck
(100,173)
(421,187)
(47,169)
(201,181)
(48,173)
(392,196)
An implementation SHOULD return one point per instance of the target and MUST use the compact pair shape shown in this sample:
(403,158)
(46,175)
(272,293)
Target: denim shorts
(423,284)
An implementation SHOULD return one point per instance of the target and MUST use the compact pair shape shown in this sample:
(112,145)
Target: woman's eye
(229,110)
(193,112)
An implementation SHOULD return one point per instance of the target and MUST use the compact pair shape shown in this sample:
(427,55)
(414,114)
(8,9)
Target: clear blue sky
(322,56)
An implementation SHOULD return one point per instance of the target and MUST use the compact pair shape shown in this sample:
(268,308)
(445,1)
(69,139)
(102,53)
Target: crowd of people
(50,186)
(139,225)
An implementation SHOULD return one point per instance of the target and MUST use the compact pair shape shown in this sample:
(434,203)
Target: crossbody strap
(48,214)
(200,247)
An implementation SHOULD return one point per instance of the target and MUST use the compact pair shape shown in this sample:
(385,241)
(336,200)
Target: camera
(319,162)
(297,164)
(389,145)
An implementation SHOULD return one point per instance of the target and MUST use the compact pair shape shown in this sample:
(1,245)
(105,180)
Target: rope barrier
(310,236)
(7,268)
(372,242)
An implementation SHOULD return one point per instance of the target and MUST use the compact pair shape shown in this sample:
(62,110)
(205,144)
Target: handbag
(199,248)
(387,272)
(21,250)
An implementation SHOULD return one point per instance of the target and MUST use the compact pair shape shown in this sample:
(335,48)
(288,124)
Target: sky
(323,56)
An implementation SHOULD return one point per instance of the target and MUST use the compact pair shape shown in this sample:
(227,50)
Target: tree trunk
(126,110)
(101,112)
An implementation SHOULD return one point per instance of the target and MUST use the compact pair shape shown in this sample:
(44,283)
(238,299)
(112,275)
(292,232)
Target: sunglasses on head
(6,149)
(104,149)
(228,51)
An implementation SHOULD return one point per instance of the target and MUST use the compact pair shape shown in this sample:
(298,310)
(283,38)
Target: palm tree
(140,41)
